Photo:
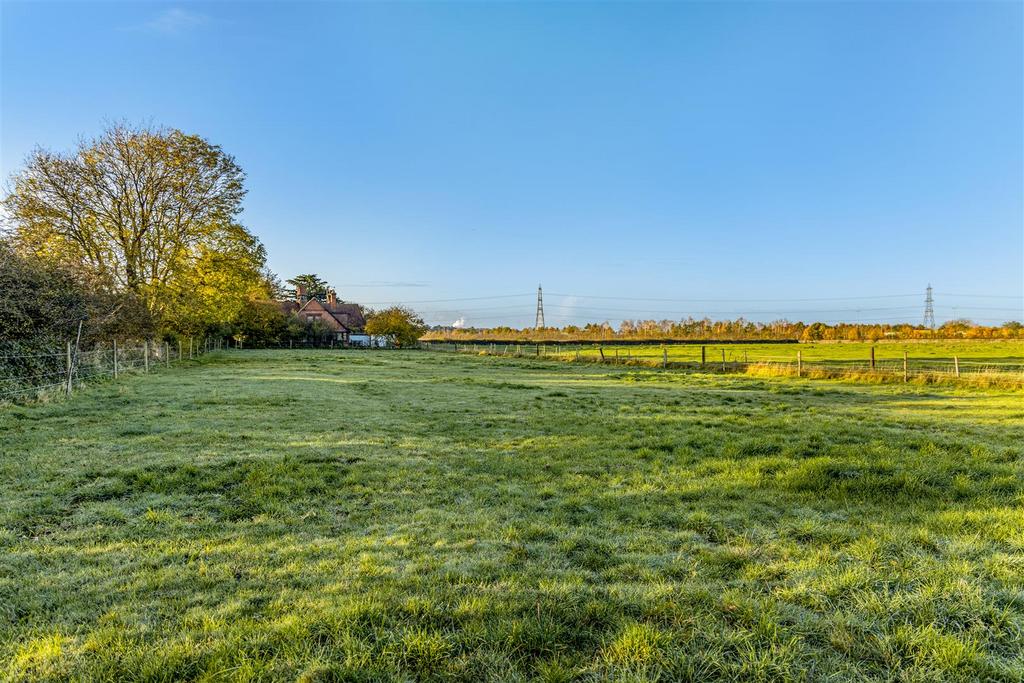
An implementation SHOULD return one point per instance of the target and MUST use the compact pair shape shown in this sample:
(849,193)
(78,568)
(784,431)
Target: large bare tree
(138,207)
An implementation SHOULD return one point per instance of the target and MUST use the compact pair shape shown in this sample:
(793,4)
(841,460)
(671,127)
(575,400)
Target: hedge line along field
(418,516)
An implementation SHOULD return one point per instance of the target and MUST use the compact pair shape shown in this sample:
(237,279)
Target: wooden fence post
(906,372)
(703,356)
(67,391)
(145,354)
(956,366)
(179,348)
(115,359)
(872,358)
(167,355)
(799,364)
(723,360)
(664,358)
(600,349)
(190,348)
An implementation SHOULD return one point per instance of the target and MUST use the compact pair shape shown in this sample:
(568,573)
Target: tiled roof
(348,315)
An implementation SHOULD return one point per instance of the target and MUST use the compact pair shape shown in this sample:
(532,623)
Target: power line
(982,296)
(599,311)
(438,301)
(839,298)
(529,320)
(575,311)
(686,300)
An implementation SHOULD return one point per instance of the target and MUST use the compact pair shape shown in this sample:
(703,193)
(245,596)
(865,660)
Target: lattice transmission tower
(540,308)
(929,309)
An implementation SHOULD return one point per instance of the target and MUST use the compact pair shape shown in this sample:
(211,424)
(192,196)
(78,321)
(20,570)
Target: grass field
(418,516)
(992,353)
(974,362)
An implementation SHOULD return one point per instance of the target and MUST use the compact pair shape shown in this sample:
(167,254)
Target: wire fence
(783,361)
(363,342)
(28,376)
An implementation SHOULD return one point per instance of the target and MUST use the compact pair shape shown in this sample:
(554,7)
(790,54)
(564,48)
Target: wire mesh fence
(739,358)
(26,376)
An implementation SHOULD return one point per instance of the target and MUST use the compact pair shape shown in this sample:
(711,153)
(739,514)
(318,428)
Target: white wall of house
(375,341)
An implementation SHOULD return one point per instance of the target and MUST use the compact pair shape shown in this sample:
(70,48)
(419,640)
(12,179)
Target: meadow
(994,353)
(329,515)
(999,360)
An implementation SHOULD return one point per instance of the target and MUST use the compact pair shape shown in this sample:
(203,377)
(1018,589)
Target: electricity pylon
(539,324)
(929,309)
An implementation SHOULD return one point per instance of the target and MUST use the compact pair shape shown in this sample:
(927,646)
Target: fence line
(24,376)
(905,368)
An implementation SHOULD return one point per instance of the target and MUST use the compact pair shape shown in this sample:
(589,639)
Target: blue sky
(810,160)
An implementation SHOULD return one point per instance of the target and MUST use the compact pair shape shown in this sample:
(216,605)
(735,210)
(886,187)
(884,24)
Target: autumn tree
(402,325)
(146,211)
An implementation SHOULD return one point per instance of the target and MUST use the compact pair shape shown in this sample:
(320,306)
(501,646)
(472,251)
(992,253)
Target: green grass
(330,516)
(970,352)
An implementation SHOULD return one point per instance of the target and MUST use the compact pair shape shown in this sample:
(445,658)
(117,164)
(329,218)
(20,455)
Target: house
(344,320)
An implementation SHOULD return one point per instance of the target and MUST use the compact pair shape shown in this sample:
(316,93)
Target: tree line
(739,329)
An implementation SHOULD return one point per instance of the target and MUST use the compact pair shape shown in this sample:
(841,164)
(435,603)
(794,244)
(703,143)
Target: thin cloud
(175,21)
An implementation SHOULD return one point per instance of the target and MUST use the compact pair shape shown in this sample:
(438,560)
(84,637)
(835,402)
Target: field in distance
(329,515)
(993,354)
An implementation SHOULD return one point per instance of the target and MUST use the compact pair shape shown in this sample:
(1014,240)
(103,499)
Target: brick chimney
(300,294)
(332,297)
